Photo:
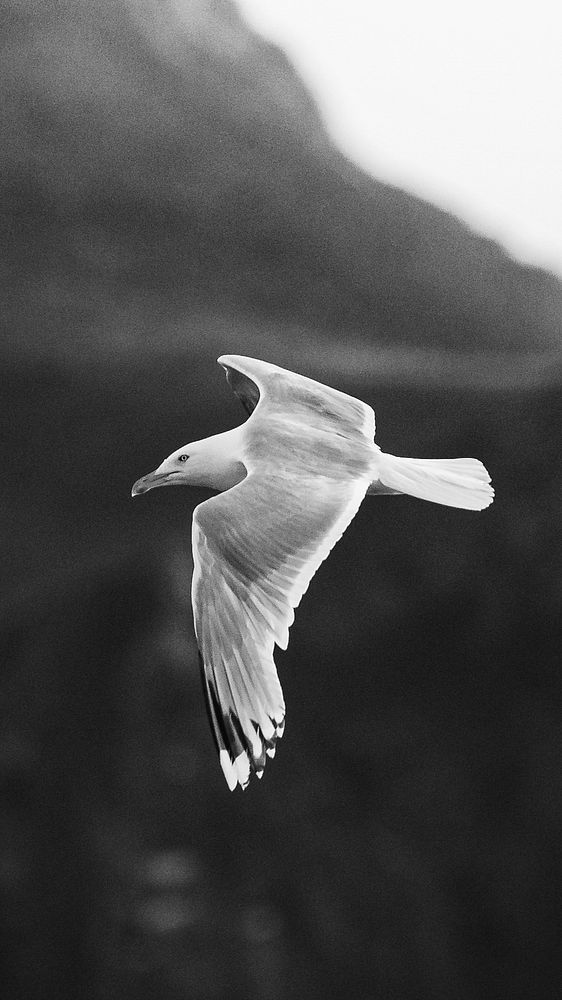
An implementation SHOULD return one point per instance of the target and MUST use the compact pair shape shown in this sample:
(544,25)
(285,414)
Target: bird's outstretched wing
(255,550)
(278,390)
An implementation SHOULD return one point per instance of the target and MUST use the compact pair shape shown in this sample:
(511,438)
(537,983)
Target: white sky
(459,102)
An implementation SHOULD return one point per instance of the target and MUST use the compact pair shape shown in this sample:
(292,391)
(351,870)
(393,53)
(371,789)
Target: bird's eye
(183,458)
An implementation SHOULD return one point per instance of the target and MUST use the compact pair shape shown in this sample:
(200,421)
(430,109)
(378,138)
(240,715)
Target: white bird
(291,479)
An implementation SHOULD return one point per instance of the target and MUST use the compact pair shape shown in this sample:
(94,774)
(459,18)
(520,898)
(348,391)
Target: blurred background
(175,186)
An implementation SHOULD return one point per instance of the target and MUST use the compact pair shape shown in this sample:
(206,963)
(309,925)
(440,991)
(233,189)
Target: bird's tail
(455,482)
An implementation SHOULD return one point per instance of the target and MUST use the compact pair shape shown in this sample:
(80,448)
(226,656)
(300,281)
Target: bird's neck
(223,465)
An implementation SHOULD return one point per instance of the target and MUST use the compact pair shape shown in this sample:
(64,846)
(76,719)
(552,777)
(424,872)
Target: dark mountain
(165,167)
(169,193)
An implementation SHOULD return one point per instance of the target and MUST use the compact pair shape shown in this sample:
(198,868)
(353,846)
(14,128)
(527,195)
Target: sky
(460,103)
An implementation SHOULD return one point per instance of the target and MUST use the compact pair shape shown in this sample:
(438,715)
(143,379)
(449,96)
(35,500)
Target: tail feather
(455,482)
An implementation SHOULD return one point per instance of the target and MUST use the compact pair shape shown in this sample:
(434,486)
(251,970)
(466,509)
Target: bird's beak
(154,479)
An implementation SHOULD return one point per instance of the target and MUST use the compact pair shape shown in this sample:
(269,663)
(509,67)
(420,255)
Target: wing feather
(261,386)
(255,549)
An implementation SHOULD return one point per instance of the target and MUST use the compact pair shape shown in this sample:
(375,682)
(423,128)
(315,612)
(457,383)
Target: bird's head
(185,467)
(203,463)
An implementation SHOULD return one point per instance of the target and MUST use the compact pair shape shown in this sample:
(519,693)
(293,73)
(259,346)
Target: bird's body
(291,479)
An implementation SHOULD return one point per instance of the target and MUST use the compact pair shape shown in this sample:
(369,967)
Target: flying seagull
(289,480)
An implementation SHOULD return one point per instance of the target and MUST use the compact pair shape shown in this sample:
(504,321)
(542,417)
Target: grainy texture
(169,195)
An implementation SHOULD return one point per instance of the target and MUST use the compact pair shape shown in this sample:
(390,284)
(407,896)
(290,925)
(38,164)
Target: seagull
(288,482)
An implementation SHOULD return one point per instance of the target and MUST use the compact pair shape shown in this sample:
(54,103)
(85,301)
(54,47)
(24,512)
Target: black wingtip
(214,713)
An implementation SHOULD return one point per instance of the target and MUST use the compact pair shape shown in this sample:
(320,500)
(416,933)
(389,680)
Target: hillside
(163,168)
